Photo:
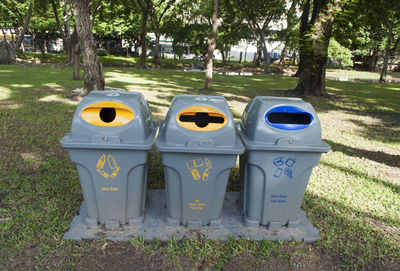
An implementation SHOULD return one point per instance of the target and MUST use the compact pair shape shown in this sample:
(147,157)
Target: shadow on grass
(356,237)
(377,156)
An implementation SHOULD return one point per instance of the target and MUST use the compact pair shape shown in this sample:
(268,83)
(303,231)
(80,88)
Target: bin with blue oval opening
(109,140)
(283,141)
(199,146)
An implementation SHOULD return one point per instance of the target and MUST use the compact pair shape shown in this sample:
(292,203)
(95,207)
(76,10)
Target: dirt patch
(123,256)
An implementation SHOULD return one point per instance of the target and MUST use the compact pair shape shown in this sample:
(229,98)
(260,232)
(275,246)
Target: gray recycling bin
(283,141)
(199,146)
(109,140)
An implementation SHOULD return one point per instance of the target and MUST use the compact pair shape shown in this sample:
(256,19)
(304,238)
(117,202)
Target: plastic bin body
(197,160)
(112,160)
(275,169)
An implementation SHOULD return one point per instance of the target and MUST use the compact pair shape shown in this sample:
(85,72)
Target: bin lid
(112,120)
(284,124)
(199,124)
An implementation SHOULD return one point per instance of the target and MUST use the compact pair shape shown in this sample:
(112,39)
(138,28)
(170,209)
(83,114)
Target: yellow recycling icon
(111,163)
(195,165)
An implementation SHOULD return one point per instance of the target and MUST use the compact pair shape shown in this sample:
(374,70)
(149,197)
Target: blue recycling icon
(289,172)
(290,162)
(279,161)
(285,166)
(278,172)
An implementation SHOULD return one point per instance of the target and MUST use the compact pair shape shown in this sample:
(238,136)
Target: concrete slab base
(155,225)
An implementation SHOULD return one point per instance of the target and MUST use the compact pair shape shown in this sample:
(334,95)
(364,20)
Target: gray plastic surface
(258,135)
(174,138)
(275,170)
(155,227)
(112,161)
(137,134)
(196,163)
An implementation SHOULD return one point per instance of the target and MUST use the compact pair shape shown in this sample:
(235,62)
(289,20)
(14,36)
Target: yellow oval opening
(107,113)
(201,118)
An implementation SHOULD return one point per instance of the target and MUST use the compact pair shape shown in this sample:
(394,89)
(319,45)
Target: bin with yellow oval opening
(109,140)
(199,146)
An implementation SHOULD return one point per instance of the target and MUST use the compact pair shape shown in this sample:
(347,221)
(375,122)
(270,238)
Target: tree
(315,35)
(189,26)
(212,43)
(11,16)
(388,11)
(145,6)
(25,26)
(64,30)
(119,20)
(158,10)
(289,33)
(43,25)
(231,30)
(93,70)
(259,15)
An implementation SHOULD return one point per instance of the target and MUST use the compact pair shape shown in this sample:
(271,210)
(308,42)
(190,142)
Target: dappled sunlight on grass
(4,93)
(57,99)
(21,85)
(10,106)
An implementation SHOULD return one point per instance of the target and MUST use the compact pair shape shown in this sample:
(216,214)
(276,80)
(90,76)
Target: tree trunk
(315,55)
(292,59)
(145,6)
(212,43)
(283,56)
(7,53)
(94,78)
(42,44)
(26,23)
(257,59)
(304,28)
(157,47)
(76,62)
(289,23)
(143,43)
(223,56)
(372,61)
(265,53)
(65,35)
(382,78)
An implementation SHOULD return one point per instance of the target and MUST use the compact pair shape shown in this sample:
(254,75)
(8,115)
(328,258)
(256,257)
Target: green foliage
(189,24)
(118,19)
(361,25)
(338,53)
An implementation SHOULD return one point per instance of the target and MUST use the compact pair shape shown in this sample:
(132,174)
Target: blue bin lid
(279,123)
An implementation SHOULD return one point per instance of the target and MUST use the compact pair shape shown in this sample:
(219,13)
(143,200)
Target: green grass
(353,196)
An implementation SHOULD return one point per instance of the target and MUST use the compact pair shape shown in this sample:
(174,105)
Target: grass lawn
(353,196)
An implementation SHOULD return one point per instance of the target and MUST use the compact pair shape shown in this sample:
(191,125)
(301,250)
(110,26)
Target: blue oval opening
(289,118)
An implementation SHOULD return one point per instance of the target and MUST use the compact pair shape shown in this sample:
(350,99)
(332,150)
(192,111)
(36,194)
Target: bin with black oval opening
(283,141)
(109,140)
(199,146)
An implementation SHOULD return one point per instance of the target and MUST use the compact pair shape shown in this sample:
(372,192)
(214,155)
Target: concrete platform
(154,225)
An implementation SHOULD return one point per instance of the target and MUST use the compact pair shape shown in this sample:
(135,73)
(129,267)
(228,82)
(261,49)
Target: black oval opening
(289,118)
(107,114)
(201,119)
